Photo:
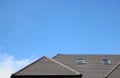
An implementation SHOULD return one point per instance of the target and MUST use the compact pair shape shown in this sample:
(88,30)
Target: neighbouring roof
(114,72)
(47,66)
(93,67)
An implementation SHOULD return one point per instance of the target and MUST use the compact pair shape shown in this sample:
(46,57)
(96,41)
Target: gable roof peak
(43,65)
(30,65)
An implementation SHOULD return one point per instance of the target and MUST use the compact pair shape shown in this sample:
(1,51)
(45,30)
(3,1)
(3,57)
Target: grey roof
(93,67)
(47,66)
(65,64)
(114,72)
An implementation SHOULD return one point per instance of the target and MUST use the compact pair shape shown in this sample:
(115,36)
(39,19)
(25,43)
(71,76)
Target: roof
(93,67)
(115,71)
(46,66)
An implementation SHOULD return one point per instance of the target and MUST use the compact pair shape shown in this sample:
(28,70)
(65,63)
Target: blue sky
(33,28)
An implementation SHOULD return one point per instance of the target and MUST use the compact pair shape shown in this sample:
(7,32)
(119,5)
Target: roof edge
(13,76)
(28,65)
(56,56)
(113,69)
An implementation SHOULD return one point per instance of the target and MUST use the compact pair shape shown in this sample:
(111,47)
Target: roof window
(106,61)
(80,61)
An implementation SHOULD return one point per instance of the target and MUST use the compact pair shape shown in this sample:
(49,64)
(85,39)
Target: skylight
(106,61)
(80,61)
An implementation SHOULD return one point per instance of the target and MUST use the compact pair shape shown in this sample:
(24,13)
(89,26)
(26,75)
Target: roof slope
(46,66)
(114,72)
(93,67)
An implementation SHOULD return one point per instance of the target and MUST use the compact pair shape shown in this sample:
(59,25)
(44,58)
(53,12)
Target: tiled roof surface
(93,67)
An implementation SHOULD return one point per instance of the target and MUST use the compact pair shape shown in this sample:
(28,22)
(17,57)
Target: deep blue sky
(47,27)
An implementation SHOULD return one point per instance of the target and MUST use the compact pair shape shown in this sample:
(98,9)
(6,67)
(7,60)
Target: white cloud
(9,65)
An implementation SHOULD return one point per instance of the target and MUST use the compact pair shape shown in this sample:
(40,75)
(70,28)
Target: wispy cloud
(9,65)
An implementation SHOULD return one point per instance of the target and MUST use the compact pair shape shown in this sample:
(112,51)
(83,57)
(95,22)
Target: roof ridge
(115,67)
(63,65)
(85,54)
